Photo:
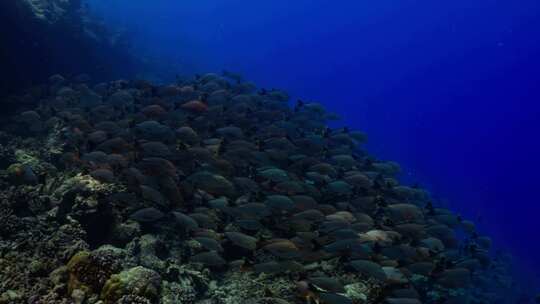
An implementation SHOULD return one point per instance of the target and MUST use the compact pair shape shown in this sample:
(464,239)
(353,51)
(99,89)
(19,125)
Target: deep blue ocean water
(449,89)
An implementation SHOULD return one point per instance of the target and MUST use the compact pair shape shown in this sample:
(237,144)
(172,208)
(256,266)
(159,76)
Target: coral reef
(209,191)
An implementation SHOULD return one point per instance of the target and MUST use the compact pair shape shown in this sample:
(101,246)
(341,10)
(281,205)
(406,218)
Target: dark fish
(155,149)
(157,166)
(455,278)
(292,266)
(407,293)
(242,240)
(220,203)
(103,175)
(97,137)
(114,145)
(269,267)
(274,267)
(153,111)
(304,202)
(154,196)
(284,249)
(327,284)
(204,220)
(209,243)
(422,268)
(206,233)
(310,215)
(214,184)
(185,222)
(332,298)
(344,234)
(369,269)
(327,208)
(346,246)
(279,202)
(249,224)
(147,215)
(401,301)
(329,226)
(195,106)
(250,211)
(210,258)
(152,130)
(94,157)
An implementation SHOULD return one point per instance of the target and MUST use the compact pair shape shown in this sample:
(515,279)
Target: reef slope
(213,191)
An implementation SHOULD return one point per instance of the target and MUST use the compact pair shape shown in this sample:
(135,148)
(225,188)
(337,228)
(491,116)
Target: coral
(137,281)
(32,252)
(239,287)
(149,248)
(89,271)
(358,292)
(9,221)
(132,299)
(21,174)
(85,183)
(10,296)
(47,10)
(178,292)
(26,158)
(123,233)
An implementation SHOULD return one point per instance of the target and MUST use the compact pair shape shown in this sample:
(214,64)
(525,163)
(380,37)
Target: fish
(211,258)
(147,215)
(242,240)
(235,178)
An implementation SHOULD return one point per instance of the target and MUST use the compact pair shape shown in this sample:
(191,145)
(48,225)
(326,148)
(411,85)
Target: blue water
(449,89)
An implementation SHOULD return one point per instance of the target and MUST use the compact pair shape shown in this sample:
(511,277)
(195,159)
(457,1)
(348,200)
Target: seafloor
(213,191)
